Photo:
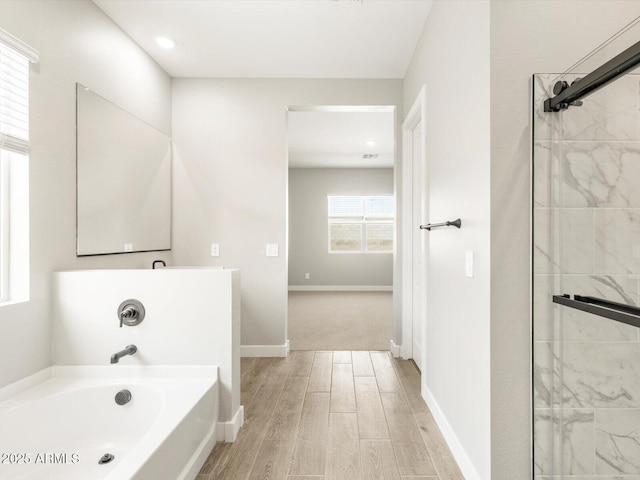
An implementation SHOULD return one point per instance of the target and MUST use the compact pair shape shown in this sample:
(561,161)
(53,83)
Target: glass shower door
(586,220)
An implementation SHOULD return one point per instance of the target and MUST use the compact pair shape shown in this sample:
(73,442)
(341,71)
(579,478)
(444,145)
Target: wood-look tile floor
(332,415)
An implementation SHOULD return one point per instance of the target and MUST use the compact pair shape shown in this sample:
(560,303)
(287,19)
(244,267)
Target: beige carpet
(340,320)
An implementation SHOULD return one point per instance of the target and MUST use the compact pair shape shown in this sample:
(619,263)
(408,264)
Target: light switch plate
(469,264)
(215,249)
(307,276)
(272,249)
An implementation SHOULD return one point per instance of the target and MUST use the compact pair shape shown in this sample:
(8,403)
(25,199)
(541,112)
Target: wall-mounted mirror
(123,180)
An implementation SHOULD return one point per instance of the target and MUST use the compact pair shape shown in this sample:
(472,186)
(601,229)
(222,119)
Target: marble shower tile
(575,253)
(545,374)
(546,126)
(617,441)
(608,114)
(543,175)
(617,241)
(544,311)
(601,374)
(546,448)
(574,442)
(603,174)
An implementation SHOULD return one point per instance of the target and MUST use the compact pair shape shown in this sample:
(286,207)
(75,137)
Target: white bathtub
(60,428)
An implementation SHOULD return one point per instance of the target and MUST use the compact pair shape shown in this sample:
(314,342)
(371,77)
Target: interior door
(418,242)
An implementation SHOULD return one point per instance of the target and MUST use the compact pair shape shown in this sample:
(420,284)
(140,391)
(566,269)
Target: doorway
(415,246)
(340,227)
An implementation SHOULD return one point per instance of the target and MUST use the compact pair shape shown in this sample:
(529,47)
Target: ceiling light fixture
(166,42)
(371,143)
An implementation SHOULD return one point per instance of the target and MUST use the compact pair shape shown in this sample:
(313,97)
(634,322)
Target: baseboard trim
(228,431)
(395,349)
(264,350)
(340,288)
(462,459)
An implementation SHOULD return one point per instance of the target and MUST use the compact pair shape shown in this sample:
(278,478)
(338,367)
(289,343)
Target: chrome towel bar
(454,223)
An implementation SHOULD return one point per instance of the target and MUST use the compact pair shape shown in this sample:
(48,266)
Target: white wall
(452,59)
(77,43)
(230,179)
(308,227)
(527,36)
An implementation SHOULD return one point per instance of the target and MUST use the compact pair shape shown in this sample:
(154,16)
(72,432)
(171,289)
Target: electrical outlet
(128,247)
(307,276)
(215,249)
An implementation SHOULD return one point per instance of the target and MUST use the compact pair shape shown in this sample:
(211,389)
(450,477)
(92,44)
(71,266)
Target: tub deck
(67,419)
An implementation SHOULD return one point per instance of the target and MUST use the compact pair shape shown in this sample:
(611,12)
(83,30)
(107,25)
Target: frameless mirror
(123,180)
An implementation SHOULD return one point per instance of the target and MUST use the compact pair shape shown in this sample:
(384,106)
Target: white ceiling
(276,38)
(339,139)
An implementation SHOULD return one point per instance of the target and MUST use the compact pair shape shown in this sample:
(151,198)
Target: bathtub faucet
(130,350)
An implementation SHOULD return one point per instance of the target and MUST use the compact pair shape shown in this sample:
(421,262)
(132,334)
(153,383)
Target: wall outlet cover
(215,249)
(128,247)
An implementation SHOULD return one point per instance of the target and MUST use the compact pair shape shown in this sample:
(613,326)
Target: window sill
(13,302)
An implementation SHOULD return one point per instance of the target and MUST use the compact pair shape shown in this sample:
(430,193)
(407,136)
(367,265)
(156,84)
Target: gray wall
(308,230)
(77,43)
(230,179)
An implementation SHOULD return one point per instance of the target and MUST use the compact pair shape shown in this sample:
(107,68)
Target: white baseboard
(462,459)
(228,431)
(264,350)
(395,349)
(340,288)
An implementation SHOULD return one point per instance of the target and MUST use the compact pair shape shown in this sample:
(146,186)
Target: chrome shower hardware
(123,397)
(129,350)
(131,313)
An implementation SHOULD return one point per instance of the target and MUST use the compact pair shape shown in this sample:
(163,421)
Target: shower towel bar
(619,312)
(455,223)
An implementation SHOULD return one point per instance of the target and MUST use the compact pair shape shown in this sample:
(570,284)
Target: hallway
(341,414)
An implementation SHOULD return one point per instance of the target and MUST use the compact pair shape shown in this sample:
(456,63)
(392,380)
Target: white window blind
(361,224)
(14,100)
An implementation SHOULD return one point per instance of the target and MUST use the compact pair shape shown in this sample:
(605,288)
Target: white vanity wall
(192,318)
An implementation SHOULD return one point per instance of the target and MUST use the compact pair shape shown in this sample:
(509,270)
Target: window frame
(5,209)
(16,58)
(363,227)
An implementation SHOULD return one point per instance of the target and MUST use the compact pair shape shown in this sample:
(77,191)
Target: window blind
(379,208)
(14,93)
(360,224)
(346,208)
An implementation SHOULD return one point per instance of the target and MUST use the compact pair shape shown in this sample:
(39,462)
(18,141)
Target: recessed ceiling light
(371,143)
(165,42)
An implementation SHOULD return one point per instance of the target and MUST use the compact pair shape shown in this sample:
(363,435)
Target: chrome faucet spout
(129,350)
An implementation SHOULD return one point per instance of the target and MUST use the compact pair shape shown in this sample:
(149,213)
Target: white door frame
(416,114)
